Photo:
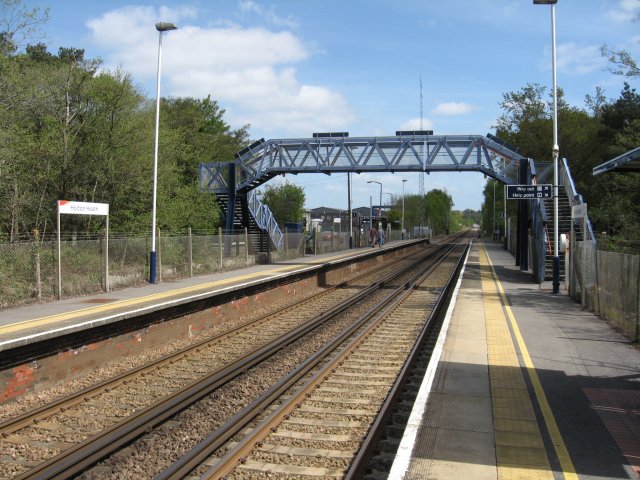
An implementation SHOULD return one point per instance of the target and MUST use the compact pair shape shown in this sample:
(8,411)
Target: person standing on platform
(380,237)
(373,236)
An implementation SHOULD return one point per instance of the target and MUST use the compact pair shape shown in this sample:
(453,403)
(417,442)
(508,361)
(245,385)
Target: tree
(202,133)
(487,212)
(622,63)
(438,205)
(286,202)
(614,198)
(19,25)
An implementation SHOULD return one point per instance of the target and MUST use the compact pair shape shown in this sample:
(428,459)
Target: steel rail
(375,317)
(81,456)
(216,439)
(359,464)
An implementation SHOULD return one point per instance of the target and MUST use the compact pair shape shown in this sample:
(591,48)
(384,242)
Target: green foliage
(433,210)
(19,25)
(438,205)
(586,139)
(70,132)
(286,202)
(491,216)
(469,217)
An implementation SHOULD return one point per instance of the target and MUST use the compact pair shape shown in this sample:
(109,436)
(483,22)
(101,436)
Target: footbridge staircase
(542,215)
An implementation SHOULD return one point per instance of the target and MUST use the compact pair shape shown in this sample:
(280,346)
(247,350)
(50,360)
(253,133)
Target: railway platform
(528,386)
(22,326)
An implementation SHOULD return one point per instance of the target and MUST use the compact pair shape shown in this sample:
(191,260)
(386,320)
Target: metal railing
(565,179)
(265,219)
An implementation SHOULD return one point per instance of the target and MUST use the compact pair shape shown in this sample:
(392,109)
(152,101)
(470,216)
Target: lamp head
(165,26)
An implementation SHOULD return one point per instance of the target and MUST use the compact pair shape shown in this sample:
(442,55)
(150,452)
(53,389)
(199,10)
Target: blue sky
(290,68)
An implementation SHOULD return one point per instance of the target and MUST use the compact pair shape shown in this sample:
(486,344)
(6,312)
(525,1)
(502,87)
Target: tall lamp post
(379,183)
(556,149)
(161,27)
(402,234)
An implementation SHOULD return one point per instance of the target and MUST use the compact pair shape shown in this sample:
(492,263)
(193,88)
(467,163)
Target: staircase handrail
(265,219)
(574,197)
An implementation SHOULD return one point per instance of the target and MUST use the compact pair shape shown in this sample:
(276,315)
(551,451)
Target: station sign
(529,192)
(82,208)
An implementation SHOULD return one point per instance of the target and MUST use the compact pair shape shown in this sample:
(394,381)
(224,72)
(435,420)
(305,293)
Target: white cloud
(454,108)
(577,59)
(625,11)
(414,124)
(251,71)
(269,14)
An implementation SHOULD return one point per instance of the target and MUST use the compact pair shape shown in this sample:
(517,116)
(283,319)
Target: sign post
(83,208)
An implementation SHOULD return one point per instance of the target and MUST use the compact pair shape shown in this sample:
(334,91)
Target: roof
(627,162)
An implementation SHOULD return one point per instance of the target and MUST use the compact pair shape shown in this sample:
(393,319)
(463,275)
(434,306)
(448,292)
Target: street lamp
(403,182)
(379,183)
(161,27)
(556,149)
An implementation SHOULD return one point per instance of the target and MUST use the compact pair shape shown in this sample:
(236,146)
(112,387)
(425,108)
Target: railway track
(327,424)
(65,438)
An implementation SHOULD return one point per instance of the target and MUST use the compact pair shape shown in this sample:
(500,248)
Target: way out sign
(83,208)
(529,192)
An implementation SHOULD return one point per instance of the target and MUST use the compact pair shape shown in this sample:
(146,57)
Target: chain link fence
(27,272)
(608,283)
(29,269)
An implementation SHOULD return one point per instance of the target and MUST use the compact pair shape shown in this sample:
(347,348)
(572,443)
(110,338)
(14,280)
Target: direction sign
(529,192)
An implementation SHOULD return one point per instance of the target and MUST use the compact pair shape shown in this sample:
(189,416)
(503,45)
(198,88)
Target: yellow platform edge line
(520,454)
(568,469)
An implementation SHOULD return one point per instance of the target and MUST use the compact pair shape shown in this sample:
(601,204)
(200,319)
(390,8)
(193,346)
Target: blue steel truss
(416,153)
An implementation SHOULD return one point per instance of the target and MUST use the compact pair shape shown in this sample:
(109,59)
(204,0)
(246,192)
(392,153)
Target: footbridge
(234,182)
(330,153)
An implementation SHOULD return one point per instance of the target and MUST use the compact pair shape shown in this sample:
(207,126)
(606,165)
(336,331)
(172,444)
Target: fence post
(159,257)
(246,246)
(220,245)
(286,243)
(583,283)
(595,243)
(190,252)
(36,259)
(59,258)
(638,303)
(107,284)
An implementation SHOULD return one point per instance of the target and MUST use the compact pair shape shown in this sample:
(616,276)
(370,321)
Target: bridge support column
(230,209)
(522,247)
